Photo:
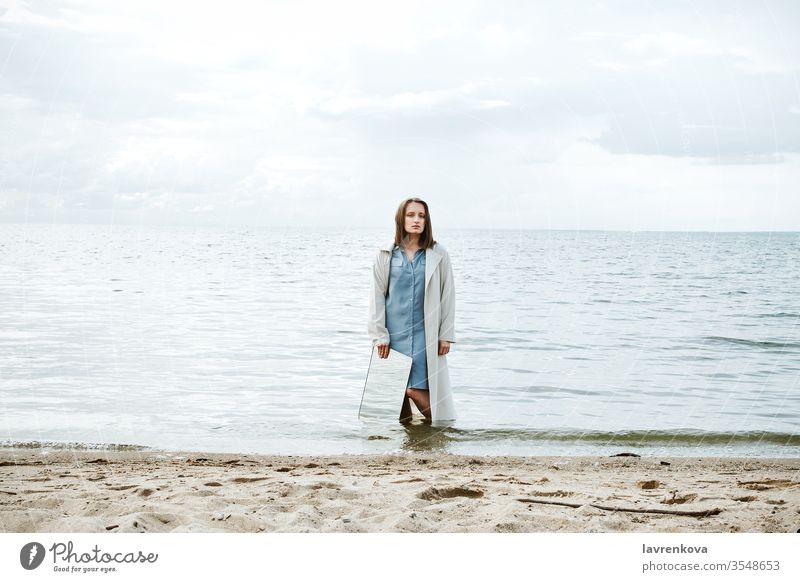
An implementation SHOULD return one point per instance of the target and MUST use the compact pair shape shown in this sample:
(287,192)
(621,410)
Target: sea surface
(254,340)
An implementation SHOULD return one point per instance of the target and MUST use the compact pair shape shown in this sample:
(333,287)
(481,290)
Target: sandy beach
(147,491)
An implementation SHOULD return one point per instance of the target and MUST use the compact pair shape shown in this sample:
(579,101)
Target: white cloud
(20,12)
(615,66)
(742,53)
(499,39)
(420,101)
(199,109)
(673,44)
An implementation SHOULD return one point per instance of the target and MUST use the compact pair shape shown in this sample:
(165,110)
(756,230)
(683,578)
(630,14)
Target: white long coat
(440,307)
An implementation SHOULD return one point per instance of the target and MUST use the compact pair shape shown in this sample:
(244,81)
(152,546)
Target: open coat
(440,306)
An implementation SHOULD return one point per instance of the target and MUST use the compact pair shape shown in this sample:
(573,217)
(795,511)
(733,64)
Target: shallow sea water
(568,342)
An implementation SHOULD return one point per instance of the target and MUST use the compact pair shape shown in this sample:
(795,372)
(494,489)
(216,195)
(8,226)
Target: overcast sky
(630,115)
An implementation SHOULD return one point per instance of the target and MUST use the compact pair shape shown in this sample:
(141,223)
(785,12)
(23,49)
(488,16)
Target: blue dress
(405,312)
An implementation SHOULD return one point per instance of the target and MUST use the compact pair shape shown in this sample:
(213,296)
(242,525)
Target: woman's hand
(444,348)
(383,351)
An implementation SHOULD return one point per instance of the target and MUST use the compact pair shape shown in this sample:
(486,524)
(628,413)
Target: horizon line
(440,228)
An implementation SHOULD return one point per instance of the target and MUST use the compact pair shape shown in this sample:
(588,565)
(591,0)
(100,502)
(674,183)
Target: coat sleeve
(448,301)
(377,303)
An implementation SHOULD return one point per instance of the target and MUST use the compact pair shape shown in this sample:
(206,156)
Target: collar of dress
(432,258)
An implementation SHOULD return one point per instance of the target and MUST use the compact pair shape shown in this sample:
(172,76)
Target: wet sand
(135,491)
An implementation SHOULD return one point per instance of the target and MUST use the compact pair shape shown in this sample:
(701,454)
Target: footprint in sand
(434,493)
(680,499)
(146,521)
(323,485)
(248,479)
(766,484)
(121,487)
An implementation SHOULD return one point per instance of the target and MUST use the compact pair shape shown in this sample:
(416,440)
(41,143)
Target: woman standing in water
(412,308)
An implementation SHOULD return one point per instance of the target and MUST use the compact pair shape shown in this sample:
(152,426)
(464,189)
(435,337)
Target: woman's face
(415,218)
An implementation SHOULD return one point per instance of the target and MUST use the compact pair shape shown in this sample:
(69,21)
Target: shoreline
(101,490)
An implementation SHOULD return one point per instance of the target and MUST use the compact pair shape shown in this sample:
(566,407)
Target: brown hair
(426,237)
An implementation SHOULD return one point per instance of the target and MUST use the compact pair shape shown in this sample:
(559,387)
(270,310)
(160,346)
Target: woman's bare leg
(405,411)
(422,399)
